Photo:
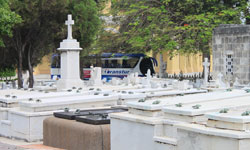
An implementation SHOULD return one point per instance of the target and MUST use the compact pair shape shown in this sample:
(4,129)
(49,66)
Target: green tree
(36,35)
(87,22)
(7,20)
(43,27)
(176,26)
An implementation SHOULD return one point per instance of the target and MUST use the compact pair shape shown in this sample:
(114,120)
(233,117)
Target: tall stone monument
(231,52)
(70,49)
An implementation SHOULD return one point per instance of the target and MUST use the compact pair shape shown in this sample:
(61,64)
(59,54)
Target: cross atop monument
(69,23)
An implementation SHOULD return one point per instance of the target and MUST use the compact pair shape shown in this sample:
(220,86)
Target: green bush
(7,73)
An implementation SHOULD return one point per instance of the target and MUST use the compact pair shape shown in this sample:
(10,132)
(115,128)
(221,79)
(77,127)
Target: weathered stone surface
(68,134)
(232,40)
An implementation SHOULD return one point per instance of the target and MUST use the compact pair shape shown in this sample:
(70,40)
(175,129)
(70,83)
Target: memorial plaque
(96,119)
(71,115)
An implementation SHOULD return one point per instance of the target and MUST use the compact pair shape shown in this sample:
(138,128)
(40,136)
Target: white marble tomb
(146,123)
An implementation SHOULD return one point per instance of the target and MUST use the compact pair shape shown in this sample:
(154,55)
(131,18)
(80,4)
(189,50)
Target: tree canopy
(87,22)
(43,28)
(8,19)
(175,26)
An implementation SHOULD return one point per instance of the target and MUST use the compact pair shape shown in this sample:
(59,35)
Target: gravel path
(9,147)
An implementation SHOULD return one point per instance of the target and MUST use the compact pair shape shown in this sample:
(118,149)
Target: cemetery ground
(11,144)
(157,113)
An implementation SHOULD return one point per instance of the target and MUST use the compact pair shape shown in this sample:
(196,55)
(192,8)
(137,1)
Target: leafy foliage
(7,73)
(43,27)
(87,21)
(182,26)
(7,20)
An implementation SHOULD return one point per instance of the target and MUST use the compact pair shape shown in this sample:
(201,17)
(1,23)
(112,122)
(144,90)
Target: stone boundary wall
(232,40)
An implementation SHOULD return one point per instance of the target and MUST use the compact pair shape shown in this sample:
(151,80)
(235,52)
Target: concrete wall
(137,136)
(188,140)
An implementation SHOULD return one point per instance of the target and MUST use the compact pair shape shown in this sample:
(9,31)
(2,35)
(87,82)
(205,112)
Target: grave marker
(206,65)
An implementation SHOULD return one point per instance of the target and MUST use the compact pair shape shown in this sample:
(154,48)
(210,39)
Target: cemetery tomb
(133,132)
(195,112)
(200,137)
(33,111)
(146,90)
(175,92)
(232,119)
(45,85)
(23,125)
(225,129)
(73,135)
(15,126)
(11,100)
(147,108)
(146,123)
(71,115)
(181,85)
(128,96)
(87,101)
(91,126)
(16,91)
(99,91)
(96,119)
(46,88)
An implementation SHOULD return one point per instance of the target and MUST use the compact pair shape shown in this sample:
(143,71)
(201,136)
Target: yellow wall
(107,8)
(185,63)
(44,67)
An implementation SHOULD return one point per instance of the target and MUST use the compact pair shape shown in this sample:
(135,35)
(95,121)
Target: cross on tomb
(206,64)
(69,23)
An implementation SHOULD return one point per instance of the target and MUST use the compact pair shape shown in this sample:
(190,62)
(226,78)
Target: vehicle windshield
(119,62)
(55,61)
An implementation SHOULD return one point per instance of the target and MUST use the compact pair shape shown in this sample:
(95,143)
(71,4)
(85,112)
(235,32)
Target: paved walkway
(4,146)
(12,144)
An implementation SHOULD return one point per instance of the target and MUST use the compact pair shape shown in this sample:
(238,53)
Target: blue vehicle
(113,65)
(55,66)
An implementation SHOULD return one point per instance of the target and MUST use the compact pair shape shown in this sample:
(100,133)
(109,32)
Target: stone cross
(206,64)
(69,23)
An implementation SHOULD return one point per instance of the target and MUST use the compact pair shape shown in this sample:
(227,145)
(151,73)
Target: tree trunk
(247,14)
(81,69)
(162,64)
(98,60)
(31,77)
(20,68)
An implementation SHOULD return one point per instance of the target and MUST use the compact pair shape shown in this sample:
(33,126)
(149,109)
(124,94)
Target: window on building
(229,65)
